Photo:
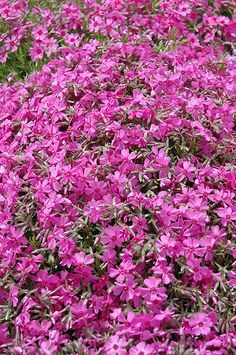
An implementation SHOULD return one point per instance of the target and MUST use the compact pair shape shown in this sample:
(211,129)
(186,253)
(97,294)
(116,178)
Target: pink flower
(227,215)
(39,33)
(72,39)
(163,271)
(79,310)
(40,329)
(119,181)
(184,9)
(97,303)
(142,349)
(12,43)
(96,189)
(166,244)
(191,247)
(122,271)
(198,271)
(81,260)
(140,224)
(37,52)
(127,160)
(13,295)
(109,256)
(127,323)
(126,289)
(187,171)
(232,281)
(116,345)
(94,210)
(200,324)
(152,292)
(112,237)
(197,218)
(167,214)
(162,161)
(195,106)
(3,334)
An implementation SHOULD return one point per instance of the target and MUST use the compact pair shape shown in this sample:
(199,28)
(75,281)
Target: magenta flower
(37,52)
(140,224)
(40,329)
(191,247)
(232,281)
(163,271)
(3,334)
(152,292)
(81,260)
(121,272)
(13,295)
(112,237)
(227,215)
(79,310)
(162,161)
(166,244)
(200,324)
(198,271)
(119,181)
(39,33)
(96,189)
(142,349)
(127,323)
(116,345)
(186,171)
(167,214)
(125,289)
(94,210)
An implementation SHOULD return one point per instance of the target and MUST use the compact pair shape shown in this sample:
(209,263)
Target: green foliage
(19,64)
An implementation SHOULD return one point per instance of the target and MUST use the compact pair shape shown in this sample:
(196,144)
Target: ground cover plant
(117,177)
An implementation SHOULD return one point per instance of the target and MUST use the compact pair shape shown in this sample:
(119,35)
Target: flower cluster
(117,178)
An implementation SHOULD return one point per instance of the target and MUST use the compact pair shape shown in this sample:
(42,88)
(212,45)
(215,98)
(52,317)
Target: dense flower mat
(117,177)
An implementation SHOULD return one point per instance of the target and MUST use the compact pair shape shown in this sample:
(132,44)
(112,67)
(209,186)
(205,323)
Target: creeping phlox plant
(117,177)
